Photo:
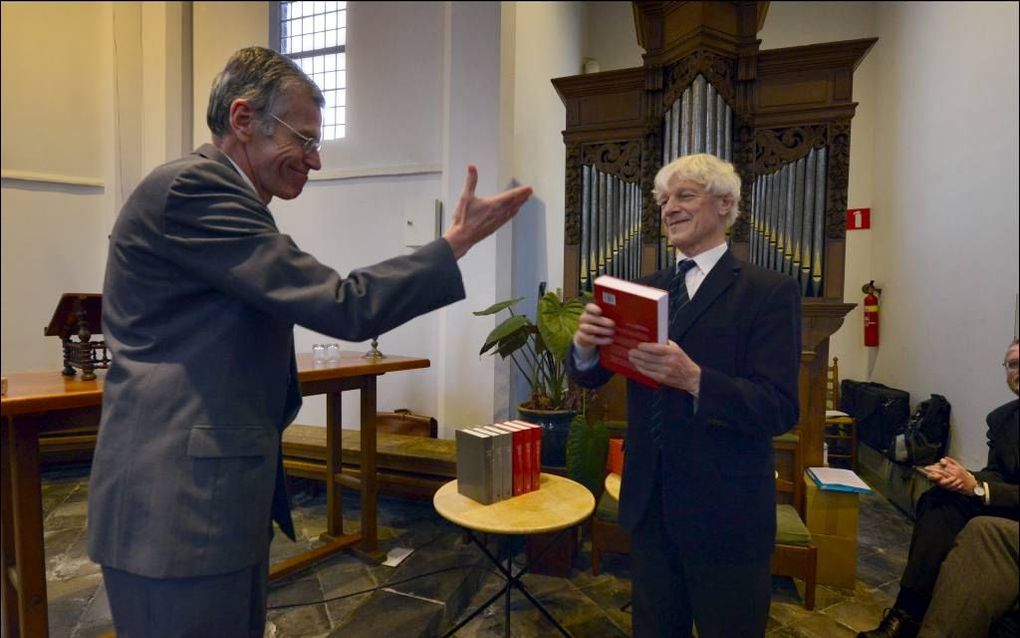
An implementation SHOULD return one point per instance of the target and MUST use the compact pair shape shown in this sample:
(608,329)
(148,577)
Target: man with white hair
(698,493)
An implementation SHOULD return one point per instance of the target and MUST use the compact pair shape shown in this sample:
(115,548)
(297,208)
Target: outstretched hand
(475,218)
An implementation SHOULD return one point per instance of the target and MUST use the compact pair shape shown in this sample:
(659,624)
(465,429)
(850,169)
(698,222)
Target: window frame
(275,27)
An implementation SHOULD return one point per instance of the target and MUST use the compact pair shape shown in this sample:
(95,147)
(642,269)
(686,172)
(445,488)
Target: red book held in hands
(641,316)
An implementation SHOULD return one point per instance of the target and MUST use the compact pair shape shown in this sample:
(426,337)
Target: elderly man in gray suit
(201,295)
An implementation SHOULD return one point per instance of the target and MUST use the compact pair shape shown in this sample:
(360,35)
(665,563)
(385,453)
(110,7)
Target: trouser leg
(220,606)
(941,515)
(979,581)
(661,605)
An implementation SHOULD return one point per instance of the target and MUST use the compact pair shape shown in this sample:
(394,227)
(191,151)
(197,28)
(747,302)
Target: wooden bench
(408,466)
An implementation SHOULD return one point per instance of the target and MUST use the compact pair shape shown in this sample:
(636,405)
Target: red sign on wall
(858,218)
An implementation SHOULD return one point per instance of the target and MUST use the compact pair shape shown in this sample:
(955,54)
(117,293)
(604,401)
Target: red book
(641,316)
(531,469)
(535,449)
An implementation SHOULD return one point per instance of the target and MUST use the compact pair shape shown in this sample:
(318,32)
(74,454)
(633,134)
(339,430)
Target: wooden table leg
(334,446)
(369,483)
(22,449)
(8,591)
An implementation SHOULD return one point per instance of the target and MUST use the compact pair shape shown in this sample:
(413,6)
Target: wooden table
(39,402)
(557,505)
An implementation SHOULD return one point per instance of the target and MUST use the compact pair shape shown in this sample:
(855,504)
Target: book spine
(536,450)
(490,477)
(470,466)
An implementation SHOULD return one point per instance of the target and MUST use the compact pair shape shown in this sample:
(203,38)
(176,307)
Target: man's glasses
(308,144)
(1011,365)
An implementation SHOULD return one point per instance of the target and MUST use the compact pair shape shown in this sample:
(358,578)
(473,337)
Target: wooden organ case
(781,116)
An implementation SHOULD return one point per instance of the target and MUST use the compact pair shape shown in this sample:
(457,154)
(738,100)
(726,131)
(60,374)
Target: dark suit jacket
(716,462)
(201,295)
(1003,470)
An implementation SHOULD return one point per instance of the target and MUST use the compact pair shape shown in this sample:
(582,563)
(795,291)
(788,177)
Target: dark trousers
(229,605)
(672,592)
(941,515)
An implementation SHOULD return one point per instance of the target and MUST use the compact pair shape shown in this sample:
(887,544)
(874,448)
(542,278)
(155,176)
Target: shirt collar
(244,176)
(706,260)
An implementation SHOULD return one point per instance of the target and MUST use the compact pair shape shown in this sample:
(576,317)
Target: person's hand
(475,218)
(593,329)
(668,364)
(950,475)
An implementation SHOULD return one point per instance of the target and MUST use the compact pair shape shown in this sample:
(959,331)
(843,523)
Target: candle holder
(374,353)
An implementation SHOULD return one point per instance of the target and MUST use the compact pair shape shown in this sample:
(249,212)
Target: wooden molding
(54,179)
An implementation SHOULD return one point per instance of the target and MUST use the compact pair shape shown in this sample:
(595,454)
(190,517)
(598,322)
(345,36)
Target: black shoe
(896,624)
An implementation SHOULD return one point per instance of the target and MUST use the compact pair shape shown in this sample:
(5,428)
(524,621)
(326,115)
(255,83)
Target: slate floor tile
(336,592)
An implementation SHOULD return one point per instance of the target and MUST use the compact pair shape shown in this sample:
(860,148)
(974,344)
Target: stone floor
(349,595)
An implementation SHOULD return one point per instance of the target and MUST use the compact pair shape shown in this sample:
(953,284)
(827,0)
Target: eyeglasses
(1012,366)
(308,144)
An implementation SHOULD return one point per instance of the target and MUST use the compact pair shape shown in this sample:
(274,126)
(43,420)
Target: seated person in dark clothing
(945,509)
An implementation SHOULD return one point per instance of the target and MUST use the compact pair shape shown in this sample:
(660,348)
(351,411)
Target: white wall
(57,162)
(220,28)
(610,37)
(469,391)
(394,79)
(946,190)
(549,38)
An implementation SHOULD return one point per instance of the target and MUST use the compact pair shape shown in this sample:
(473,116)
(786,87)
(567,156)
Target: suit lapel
(719,279)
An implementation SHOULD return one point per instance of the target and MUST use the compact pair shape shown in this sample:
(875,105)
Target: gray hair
(717,176)
(261,76)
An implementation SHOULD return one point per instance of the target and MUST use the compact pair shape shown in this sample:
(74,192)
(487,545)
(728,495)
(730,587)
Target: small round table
(612,484)
(557,505)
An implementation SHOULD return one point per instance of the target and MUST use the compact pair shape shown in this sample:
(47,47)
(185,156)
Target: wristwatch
(979,488)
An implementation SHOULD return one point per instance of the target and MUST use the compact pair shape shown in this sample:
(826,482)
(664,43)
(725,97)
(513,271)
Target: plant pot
(555,428)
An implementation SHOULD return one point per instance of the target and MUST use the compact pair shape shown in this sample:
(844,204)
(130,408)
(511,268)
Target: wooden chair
(795,555)
(840,427)
(607,535)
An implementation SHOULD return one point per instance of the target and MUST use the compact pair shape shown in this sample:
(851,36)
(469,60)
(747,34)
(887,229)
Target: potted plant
(539,350)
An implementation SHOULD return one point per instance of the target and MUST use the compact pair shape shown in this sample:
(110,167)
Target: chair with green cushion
(794,554)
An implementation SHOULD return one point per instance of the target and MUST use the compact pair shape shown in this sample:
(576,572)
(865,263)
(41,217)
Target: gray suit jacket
(201,295)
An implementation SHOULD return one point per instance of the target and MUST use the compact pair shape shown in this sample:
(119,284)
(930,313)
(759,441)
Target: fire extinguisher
(871,295)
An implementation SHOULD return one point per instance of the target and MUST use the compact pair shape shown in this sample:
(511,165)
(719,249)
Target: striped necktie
(678,298)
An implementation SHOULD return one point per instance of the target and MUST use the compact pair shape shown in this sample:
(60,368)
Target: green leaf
(557,323)
(494,308)
(513,342)
(587,448)
(505,329)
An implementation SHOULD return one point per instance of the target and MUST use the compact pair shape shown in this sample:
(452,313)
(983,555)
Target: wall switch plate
(422,225)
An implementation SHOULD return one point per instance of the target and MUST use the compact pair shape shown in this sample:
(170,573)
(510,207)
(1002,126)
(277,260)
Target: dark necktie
(678,298)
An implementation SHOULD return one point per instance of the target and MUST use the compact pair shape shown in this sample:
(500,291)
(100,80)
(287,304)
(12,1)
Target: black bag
(926,436)
(881,412)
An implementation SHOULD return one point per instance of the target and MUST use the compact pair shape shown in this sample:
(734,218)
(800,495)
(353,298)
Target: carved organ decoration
(697,119)
(788,203)
(610,241)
